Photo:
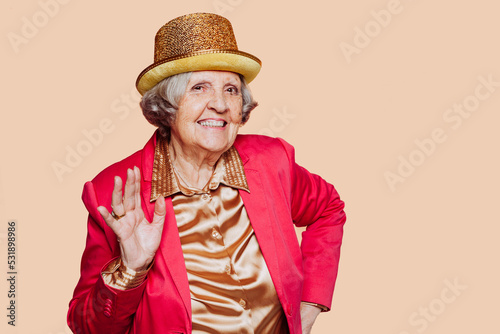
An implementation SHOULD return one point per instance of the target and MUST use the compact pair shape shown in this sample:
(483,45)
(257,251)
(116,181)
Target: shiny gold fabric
(118,276)
(231,289)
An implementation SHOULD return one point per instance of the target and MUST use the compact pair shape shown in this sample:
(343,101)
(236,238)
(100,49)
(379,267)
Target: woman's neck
(195,167)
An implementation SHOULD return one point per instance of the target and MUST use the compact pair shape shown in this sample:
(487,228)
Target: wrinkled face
(209,114)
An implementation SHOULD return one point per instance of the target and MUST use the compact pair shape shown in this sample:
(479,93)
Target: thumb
(160,211)
(108,218)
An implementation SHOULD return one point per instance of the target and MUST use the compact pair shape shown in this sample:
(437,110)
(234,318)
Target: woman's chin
(215,146)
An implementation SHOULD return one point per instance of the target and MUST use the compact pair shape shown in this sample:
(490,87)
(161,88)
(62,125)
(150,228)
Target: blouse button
(205,197)
(242,303)
(215,234)
(227,269)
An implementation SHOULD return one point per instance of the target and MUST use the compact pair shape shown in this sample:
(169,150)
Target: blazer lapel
(257,207)
(169,257)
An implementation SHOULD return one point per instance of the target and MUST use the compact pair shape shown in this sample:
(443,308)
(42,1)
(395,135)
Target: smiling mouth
(213,124)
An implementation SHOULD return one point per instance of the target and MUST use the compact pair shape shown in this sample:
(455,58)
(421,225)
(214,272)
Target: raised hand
(138,238)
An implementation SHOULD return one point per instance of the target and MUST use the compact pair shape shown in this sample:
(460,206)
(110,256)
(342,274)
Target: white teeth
(215,124)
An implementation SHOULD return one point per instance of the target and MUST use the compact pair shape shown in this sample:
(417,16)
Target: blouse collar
(228,171)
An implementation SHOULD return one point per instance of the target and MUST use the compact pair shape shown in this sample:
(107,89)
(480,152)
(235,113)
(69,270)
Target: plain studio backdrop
(394,102)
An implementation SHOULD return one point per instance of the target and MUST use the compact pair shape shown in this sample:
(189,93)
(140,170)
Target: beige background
(351,120)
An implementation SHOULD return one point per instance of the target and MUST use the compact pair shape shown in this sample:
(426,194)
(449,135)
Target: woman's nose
(218,102)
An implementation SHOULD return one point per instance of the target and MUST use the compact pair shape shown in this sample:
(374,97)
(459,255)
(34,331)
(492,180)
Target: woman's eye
(199,87)
(233,90)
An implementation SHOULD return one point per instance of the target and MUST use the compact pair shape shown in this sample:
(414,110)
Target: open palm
(139,239)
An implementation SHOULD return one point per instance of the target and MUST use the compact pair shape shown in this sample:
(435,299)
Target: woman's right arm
(97,307)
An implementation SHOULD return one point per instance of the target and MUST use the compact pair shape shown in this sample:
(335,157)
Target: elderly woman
(200,238)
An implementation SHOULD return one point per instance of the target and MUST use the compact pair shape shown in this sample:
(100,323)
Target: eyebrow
(200,82)
(204,81)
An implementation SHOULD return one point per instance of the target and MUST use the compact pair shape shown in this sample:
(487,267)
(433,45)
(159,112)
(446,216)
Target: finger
(160,211)
(129,196)
(108,218)
(137,193)
(116,199)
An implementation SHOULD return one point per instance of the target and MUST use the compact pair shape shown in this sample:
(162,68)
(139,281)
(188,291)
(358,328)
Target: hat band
(198,53)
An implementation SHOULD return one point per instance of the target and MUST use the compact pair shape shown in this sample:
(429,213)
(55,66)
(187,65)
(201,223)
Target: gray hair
(160,104)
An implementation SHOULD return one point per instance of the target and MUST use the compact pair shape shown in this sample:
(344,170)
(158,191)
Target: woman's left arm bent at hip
(316,205)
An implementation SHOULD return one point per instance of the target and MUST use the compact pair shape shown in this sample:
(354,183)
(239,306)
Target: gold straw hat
(196,42)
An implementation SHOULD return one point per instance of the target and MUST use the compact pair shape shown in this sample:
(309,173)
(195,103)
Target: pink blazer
(281,194)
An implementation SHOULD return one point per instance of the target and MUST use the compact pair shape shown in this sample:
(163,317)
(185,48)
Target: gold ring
(115,216)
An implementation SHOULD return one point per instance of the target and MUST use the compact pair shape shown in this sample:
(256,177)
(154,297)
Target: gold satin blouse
(231,289)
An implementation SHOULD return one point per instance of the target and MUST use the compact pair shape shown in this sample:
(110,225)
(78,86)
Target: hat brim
(213,60)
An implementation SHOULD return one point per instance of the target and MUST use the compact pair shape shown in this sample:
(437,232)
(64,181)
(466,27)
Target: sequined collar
(228,170)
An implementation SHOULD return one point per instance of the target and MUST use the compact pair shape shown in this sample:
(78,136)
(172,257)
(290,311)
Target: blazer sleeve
(316,204)
(96,307)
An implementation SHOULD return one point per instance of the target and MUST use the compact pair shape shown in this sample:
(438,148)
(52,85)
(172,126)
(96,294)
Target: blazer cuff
(113,303)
